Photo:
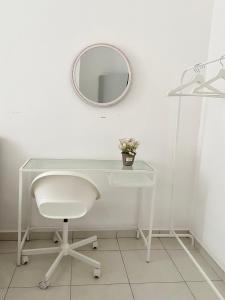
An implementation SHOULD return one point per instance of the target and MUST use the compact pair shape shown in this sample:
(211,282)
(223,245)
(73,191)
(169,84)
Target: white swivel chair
(65,195)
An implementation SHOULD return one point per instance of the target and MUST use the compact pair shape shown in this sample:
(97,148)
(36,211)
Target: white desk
(141,176)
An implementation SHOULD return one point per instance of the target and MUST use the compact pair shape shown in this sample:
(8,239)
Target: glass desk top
(41,164)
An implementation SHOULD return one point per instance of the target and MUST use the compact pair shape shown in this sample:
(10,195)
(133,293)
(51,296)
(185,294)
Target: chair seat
(64,195)
(62,210)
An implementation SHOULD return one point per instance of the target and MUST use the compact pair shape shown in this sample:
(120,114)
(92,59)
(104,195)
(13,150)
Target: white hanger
(207,84)
(199,79)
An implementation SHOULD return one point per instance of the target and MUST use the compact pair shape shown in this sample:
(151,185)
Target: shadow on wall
(11,158)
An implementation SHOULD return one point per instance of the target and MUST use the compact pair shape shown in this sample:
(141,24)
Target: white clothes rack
(199,78)
(195,68)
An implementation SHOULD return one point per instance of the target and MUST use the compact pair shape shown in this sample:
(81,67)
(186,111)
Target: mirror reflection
(101,74)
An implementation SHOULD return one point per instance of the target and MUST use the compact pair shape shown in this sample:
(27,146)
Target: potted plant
(128,148)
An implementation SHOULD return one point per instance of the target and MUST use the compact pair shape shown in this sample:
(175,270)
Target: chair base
(63,250)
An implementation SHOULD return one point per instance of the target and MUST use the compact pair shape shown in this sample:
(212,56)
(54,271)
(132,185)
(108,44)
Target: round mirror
(101,74)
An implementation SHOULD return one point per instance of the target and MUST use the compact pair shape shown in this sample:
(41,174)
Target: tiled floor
(125,275)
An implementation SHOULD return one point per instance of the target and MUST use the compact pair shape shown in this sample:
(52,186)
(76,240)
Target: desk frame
(147,240)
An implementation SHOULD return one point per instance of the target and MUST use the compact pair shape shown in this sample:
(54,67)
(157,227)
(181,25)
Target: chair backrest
(64,195)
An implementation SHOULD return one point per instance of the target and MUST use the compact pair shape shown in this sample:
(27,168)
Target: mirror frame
(83,97)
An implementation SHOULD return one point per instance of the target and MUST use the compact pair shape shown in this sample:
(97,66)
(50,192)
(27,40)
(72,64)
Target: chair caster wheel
(43,285)
(55,239)
(97,273)
(24,260)
(95,245)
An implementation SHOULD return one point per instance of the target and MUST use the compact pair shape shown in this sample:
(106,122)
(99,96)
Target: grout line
(36,286)
(145,282)
(114,283)
(82,238)
(198,281)
(159,242)
(179,273)
(124,250)
(52,285)
(125,283)
(125,269)
(102,250)
(143,249)
(10,283)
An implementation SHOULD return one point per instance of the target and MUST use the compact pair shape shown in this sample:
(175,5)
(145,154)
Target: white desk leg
(151,219)
(20,217)
(139,206)
(30,207)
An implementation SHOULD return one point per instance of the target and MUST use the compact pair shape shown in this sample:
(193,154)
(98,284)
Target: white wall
(41,116)
(208,213)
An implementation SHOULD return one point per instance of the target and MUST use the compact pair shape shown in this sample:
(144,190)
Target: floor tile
(7,268)
(102,292)
(31,274)
(172,243)
(35,293)
(160,268)
(103,244)
(8,246)
(202,290)
(137,244)
(126,233)
(188,269)
(2,293)
(113,270)
(162,291)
